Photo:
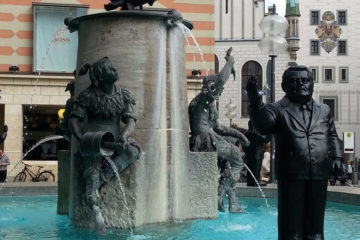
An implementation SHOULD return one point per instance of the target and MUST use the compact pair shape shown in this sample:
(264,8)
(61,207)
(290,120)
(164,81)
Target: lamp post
(273,44)
(230,111)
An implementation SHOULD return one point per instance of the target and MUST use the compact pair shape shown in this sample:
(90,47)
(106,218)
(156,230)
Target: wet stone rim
(170,14)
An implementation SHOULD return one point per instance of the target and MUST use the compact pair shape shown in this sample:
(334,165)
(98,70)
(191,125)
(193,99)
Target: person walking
(349,170)
(4,162)
(358,168)
(265,165)
(4,134)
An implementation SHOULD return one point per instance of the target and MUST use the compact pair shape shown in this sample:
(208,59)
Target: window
(328,74)
(343,74)
(41,121)
(314,20)
(250,68)
(314,45)
(55,49)
(332,102)
(315,73)
(342,47)
(341,17)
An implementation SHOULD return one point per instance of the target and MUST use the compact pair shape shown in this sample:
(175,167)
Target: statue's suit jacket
(301,152)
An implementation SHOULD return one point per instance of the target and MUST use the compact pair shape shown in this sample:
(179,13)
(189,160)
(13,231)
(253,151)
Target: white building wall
(247,16)
(346,93)
(244,51)
(258,15)
(236,19)
(241,21)
(248,19)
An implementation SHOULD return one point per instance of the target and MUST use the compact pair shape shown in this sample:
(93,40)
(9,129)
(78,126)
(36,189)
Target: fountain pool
(34,217)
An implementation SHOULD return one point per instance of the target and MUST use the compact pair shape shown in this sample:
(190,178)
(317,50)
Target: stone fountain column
(147,49)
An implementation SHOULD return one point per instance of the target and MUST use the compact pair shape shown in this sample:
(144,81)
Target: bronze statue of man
(208,135)
(306,146)
(103,106)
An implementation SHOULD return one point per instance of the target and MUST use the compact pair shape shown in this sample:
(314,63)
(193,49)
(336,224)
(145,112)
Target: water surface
(34,217)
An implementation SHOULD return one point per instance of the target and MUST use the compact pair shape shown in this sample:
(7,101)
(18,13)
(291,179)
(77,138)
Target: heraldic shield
(328,31)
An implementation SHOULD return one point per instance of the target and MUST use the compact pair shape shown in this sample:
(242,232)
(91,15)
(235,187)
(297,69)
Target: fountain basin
(26,217)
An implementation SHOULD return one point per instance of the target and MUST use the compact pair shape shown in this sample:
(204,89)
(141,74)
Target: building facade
(237,26)
(38,56)
(329,44)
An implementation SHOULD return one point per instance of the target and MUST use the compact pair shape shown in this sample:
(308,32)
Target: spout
(188,24)
(97,143)
(67,22)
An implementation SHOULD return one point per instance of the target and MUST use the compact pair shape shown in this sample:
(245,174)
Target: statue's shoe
(99,220)
(235,208)
(221,206)
(113,5)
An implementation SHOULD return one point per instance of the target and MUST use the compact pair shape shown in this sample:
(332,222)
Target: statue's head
(298,84)
(100,72)
(70,87)
(213,85)
(250,125)
(211,88)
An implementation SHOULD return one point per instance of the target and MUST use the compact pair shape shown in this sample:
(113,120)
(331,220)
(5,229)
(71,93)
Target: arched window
(250,68)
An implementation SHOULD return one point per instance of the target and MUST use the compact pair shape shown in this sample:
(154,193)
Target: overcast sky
(280,6)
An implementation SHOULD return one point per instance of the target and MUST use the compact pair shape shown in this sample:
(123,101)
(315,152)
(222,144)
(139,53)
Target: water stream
(43,140)
(188,45)
(185,30)
(58,34)
(259,187)
(122,191)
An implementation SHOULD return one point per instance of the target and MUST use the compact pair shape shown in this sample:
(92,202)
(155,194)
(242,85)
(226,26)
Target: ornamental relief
(328,31)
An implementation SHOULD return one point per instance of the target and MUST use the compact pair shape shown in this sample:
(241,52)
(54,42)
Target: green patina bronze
(292,8)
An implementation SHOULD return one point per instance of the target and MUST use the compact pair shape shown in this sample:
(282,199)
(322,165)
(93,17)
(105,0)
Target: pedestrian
(4,134)
(265,166)
(4,162)
(349,170)
(358,168)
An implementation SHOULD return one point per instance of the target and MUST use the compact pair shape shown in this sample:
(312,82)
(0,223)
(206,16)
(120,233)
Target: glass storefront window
(41,121)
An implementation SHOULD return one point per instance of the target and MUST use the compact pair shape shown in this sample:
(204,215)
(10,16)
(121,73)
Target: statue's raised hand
(245,142)
(122,141)
(252,92)
(228,57)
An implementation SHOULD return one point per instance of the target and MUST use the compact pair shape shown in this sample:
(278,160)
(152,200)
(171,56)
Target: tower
(292,35)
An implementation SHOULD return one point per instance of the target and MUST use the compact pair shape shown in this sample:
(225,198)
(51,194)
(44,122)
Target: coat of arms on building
(328,31)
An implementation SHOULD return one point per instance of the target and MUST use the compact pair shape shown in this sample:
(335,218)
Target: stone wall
(134,210)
